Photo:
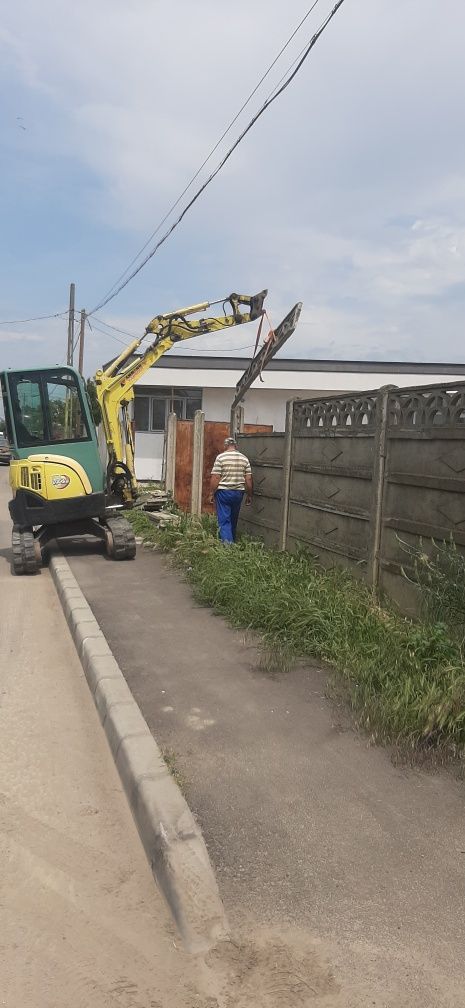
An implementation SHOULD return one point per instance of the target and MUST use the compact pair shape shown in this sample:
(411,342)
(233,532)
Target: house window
(151,412)
(142,412)
(193,403)
(158,419)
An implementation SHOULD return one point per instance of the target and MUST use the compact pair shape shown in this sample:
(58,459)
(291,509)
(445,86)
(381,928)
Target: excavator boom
(115,384)
(59,486)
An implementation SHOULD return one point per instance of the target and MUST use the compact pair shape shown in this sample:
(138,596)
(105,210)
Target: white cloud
(13,336)
(348,195)
(15,50)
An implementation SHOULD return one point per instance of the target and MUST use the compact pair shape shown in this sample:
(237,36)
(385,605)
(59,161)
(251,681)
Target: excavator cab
(47,412)
(56,475)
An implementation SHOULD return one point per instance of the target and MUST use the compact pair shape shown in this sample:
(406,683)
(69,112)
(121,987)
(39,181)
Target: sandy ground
(343,875)
(82,924)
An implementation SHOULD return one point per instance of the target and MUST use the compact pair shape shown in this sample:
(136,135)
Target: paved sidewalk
(316,837)
(82,924)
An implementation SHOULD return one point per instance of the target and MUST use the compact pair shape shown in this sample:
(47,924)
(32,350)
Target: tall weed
(405,680)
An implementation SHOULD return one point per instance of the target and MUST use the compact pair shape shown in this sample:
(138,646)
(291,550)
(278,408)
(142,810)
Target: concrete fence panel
(361,480)
(263,518)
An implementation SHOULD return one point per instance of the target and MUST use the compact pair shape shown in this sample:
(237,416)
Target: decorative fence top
(417,408)
(431,406)
(337,413)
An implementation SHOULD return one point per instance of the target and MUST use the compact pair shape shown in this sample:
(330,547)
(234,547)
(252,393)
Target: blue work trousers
(228,504)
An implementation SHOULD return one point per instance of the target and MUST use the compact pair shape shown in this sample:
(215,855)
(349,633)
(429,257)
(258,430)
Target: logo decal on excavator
(60,482)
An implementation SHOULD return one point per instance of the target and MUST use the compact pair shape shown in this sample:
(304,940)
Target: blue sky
(349,195)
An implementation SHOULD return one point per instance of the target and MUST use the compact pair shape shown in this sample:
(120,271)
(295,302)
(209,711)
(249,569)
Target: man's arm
(215,478)
(214,482)
(248,487)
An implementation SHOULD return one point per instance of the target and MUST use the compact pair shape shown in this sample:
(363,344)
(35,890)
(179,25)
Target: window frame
(158,399)
(42,378)
(168,396)
(143,430)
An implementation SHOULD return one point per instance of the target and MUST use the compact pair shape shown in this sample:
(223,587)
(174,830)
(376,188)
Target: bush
(440,577)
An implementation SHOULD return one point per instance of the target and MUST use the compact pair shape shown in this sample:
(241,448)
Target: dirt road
(82,924)
(335,866)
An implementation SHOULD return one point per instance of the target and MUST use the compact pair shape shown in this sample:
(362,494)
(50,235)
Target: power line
(213,175)
(250,346)
(215,148)
(133,336)
(77,327)
(115,328)
(292,65)
(104,331)
(225,350)
(35,318)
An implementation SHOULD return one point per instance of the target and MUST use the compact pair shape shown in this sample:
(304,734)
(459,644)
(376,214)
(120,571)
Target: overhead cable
(269,101)
(220,350)
(104,331)
(215,148)
(35,318)
(114,328)
(189,349)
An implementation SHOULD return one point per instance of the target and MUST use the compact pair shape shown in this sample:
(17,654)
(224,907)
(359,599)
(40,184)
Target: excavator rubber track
(24,552)
(121,541)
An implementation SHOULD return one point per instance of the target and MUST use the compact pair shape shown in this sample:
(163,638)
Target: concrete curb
(169,833)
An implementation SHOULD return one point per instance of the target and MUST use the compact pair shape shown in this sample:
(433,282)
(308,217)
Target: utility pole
(72,293)
(81,340)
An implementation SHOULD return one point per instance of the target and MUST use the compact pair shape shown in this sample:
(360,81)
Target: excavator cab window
(6,410)
(28,414)
(47,408)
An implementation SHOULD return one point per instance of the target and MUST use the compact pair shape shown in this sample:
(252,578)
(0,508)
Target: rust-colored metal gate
(214,434)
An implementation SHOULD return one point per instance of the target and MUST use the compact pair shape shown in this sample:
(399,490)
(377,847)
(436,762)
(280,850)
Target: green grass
(439,573)
(171,760)
(405,681)
(141,524)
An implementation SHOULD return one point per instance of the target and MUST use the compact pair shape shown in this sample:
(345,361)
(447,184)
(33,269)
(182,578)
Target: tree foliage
(93,401)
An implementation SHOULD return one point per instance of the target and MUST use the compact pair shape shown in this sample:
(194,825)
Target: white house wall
(295,382)
(261,406)
(149,455)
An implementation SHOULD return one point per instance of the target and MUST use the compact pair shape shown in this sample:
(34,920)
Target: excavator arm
(115,384)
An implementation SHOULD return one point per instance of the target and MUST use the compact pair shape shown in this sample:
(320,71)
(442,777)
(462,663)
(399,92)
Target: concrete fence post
(286,475)
(197,463)
(378,483)
(171,453)
(236,424)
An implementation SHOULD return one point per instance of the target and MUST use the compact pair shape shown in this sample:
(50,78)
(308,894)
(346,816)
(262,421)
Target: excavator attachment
(176,325)
(255,303)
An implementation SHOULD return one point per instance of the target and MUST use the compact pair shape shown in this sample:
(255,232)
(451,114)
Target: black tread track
(124,540)
(24,555)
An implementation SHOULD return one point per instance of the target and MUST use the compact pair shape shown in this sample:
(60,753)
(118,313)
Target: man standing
(231,477)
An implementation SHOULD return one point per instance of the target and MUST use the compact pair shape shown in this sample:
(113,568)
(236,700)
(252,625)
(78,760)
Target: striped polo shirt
(233,467)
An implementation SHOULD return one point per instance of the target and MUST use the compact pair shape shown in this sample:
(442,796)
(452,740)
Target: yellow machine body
(53,477)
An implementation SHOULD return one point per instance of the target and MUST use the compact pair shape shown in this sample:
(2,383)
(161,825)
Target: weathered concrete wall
(358,480)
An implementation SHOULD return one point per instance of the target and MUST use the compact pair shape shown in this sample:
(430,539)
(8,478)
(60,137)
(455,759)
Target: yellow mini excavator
(59,485)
